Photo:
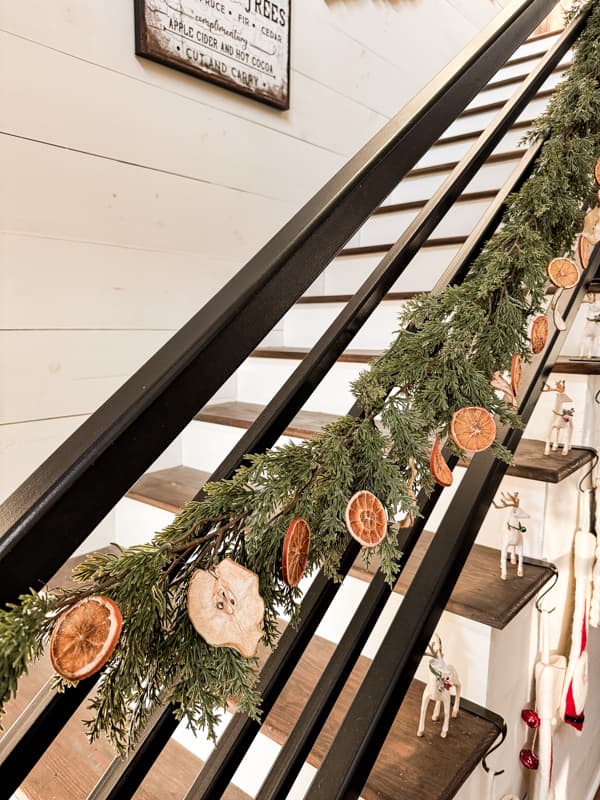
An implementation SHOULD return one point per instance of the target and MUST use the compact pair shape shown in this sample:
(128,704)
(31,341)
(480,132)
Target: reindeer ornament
(512,537)
(443,681)
(562,420)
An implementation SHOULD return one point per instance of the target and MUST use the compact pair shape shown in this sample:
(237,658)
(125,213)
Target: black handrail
(47,517)
(353,752)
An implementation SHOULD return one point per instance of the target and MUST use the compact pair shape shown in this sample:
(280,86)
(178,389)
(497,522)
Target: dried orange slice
(366,519)
(516,367)
(84,637)
(437,465)
(597,171)
(539,334)
(583,251)
(563,273)
(473,428)
(295,551)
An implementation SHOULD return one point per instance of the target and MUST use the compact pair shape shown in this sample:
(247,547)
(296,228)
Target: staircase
(485,619)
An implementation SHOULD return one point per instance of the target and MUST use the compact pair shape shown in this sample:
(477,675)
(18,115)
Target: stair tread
(169,488)
(480,594)
(355,356)
(404,759)
(519,78)
(465,197)
(345,298)
(305,425)
(368,249)
(469,112)
(571,365)
(365,356)
(530,461)
(495,158)
(71,766)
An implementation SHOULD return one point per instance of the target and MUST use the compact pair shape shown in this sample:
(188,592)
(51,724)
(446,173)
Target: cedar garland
(448,348)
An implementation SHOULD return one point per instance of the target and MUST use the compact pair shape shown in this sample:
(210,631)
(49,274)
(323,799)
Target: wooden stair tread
(496,158)
(370,249)
(345,298)
(407,766)
(164,489)
(298,353)
(365,356)
(71,766)
(531,463)
(305,425)
(578,366)
(480,594)
(466,197)
(519,78)
(523,124)
(389,297)
(169,488)
(469,112)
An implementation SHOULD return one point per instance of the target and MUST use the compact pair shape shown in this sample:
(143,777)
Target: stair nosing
(495,158)
(371,249)
(519,78)
(409,205)
(460,137)
(345,298)
(469,112)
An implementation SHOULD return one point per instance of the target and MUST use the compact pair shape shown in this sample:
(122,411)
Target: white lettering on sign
(240,44)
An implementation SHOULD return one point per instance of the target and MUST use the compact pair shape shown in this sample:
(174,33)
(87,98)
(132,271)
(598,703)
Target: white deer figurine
(562,419)
(591,331)
(443,682)
(512,537)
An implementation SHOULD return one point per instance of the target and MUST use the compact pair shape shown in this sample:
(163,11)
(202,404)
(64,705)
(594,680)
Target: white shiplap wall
(131,193)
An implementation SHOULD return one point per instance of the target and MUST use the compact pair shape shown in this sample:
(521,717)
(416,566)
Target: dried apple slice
(225,607)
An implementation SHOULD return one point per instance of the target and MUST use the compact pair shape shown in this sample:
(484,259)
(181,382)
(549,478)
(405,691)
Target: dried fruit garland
(198,597)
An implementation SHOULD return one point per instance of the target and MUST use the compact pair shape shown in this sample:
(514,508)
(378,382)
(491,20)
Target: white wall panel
(102,286)
(141,124)
(65,373)
(105,201)
(23,446)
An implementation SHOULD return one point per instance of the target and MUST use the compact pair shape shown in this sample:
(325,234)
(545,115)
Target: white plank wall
(132,192)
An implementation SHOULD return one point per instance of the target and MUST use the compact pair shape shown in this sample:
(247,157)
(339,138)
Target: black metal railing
(146,414)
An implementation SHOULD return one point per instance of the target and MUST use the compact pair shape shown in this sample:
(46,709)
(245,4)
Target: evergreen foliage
(445,353)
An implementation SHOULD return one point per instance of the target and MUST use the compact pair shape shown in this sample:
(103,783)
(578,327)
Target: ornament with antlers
(512,536)
(561,421)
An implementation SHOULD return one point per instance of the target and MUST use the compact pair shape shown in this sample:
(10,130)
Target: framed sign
(243,45)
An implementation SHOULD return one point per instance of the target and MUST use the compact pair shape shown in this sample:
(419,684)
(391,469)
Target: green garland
(448,347)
